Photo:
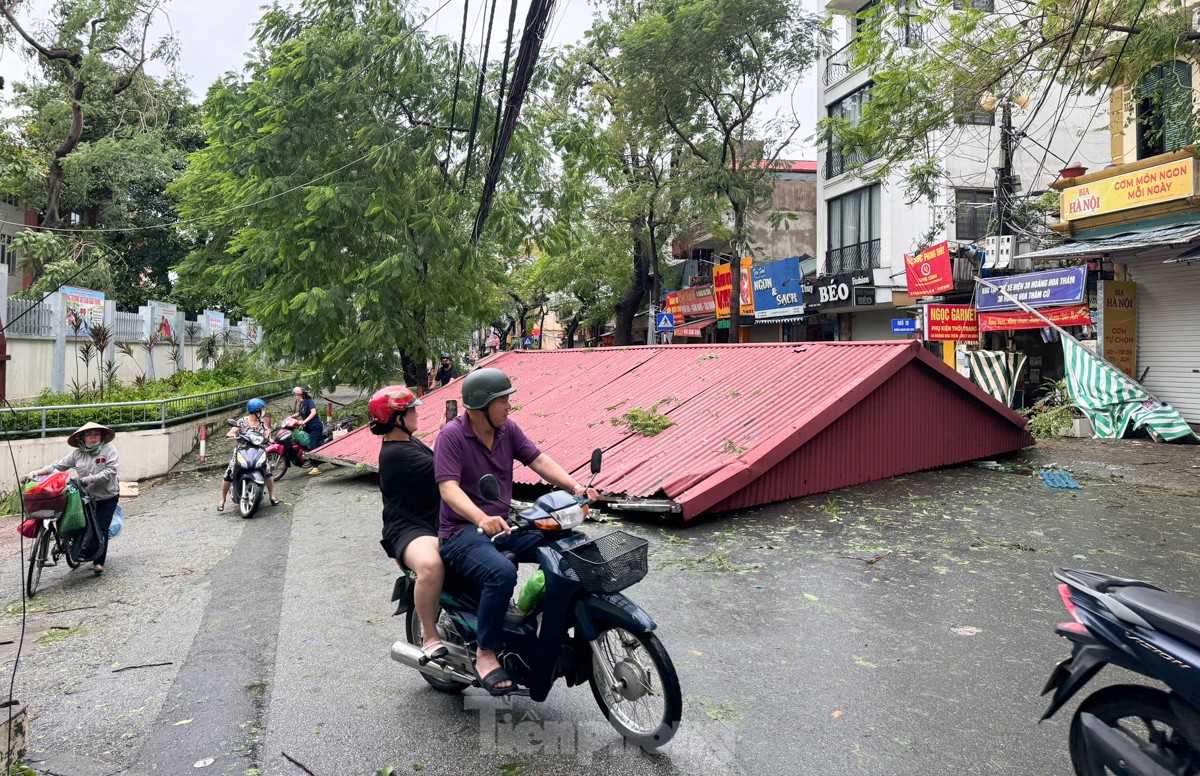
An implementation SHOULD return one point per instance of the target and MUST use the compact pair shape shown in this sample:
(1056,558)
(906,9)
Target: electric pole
(1004,171)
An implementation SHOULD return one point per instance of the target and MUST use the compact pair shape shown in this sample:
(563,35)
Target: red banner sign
(1075,315)
(929,272)
(952,323)
(723,288)
(672,305)
(697,300)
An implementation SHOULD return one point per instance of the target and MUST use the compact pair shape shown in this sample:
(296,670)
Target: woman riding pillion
(253,419)
(410,504)
(94,459)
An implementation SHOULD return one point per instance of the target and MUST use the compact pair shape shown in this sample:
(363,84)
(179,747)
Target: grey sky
(214,36)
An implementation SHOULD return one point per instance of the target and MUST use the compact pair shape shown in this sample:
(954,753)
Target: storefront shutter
(1168,332)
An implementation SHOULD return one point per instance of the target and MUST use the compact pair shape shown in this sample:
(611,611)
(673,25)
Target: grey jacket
(102,467)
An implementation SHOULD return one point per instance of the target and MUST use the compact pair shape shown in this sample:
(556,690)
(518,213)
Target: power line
(478,97)
(462,42)
(512,20)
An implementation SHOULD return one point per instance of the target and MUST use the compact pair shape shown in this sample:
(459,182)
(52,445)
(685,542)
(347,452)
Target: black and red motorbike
(285,451)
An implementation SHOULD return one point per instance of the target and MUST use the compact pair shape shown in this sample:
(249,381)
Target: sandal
(275,502)
(492,681)
(435,651)
(220,507)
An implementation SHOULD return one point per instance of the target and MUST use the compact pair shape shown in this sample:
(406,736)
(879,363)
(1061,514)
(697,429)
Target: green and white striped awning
(995,371)
(1113,402)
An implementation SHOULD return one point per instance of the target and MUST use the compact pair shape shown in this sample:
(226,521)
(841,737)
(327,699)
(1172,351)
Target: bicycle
(49,544)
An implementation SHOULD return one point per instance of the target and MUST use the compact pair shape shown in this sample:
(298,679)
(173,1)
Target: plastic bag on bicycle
(47,499)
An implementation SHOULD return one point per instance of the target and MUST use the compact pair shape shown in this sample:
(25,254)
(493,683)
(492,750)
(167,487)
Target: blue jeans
(474,556)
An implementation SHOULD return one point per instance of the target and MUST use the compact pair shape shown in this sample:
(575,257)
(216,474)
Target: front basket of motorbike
(610,563)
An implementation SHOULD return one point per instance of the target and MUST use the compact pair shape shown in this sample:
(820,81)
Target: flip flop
(220,507)
(275,502)
(497,677)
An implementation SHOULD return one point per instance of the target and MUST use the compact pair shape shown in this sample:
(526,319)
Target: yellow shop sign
(1163,183)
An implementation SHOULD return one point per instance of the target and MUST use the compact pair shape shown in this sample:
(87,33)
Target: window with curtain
(849,108)
(1164,111)
(854,230)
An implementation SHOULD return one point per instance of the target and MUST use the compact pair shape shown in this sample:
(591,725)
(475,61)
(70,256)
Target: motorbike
(1130,729)
(285,451)
(583,630)
(249,469)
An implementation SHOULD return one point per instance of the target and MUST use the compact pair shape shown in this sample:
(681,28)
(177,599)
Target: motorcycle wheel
(412,631)
(1144,715)
(644,703)
(251,496)
(279,465)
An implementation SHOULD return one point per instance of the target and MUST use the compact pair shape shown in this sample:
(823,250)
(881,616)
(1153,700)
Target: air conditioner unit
(999,252)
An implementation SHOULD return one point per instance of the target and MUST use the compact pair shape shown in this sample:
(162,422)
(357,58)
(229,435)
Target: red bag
(48,499)
(28,529)
(54,485)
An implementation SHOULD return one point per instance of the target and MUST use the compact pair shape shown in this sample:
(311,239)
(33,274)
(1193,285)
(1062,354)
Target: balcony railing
(853,258)
(838,66)
(837,163)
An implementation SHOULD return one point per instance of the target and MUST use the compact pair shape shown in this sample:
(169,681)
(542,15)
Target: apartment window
(8,252)
(853,231)
(867,15)
(972,213)
(968,111)
(987,6)
(1164,109)
(850,109)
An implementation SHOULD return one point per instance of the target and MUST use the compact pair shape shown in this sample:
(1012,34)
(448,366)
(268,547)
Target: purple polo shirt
(460,456)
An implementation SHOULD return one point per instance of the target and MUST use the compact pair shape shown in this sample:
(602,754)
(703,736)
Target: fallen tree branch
(298,764)
(144,665)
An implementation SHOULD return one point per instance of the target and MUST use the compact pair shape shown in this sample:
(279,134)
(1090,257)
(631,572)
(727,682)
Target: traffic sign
(904,326)
(527,342)
(666,322)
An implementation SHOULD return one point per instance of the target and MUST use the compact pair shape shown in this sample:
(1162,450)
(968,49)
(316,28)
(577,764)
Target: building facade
(865,229)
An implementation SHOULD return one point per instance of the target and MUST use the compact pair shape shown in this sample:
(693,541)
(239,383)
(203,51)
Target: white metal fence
(32,319)
(129,327)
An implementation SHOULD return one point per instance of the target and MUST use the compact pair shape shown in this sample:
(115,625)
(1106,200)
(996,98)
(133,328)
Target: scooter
(1130,729)
(249,470)
(582,631)
(285,451)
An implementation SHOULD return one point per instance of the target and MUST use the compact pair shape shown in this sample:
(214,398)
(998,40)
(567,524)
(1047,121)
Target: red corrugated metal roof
(739,411)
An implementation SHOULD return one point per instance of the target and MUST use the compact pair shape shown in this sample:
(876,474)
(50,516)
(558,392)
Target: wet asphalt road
(796,654)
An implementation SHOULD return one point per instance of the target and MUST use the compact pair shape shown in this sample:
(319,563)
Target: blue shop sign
(1052,288)
(777,292)
(904,326)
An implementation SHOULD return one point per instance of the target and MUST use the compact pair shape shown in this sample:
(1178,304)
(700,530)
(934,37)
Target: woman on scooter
(410,503)
(253,419)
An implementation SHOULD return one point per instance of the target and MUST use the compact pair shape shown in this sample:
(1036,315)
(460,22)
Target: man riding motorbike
(485,441)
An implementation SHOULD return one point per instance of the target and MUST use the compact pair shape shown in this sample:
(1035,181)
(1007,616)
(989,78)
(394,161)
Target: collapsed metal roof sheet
(1163,237)
(739,414)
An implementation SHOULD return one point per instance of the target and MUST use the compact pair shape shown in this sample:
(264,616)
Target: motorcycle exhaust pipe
(1115,750)
(408,655)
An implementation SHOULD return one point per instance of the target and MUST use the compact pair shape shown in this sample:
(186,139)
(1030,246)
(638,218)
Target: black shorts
(397,543)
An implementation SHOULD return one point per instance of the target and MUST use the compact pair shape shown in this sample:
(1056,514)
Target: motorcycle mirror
(597,456)
(230,422)
(489,488)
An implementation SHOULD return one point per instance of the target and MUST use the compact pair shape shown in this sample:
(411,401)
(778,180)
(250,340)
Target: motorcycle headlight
(563,519)
(241,460)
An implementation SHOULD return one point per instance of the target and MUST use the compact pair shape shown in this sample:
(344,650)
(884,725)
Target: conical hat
(106,434)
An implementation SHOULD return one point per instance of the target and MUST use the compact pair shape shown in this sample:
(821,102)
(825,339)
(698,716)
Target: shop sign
(904,326)
(929,272)
(1052,288)
(723,288)
(672,305)
(864,297)
(839,290)
(777,289)
(85,309)
(1118,325)
(951,323)
(1163,183)
(1075,315)
(697,301)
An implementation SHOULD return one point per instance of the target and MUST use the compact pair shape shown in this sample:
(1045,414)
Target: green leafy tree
(706,69)
(326,202)
(933,62)
(91,52)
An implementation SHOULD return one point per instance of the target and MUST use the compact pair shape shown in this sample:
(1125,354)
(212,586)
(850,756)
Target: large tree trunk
(735,296)
(54,181)
(572,327)
(627,306)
